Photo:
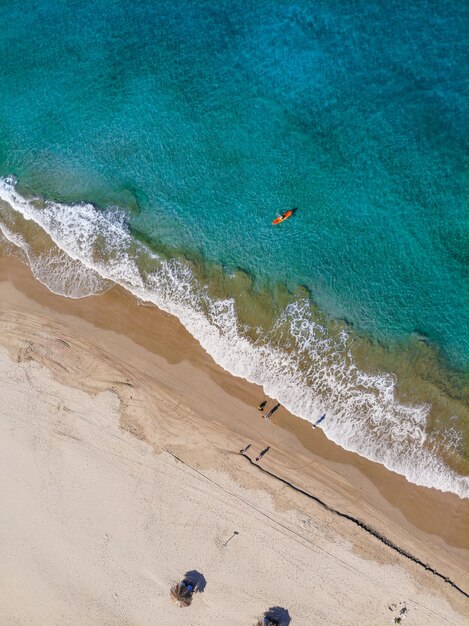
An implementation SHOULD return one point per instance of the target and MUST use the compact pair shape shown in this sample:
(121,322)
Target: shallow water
(198,124)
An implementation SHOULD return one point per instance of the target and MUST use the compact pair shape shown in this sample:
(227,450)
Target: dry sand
(120,472)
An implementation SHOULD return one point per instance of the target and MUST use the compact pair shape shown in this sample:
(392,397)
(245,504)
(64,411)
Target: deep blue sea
(167,135)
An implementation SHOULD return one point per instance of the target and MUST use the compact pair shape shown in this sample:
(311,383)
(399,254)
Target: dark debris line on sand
(363,526)
(350,518)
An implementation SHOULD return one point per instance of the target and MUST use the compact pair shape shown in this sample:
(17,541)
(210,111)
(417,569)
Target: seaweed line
(364,526)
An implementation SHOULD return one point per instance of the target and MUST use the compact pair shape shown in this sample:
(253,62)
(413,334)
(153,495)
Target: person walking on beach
(319,420)
(262,405)
(272,410)
(261,454)
(244,449)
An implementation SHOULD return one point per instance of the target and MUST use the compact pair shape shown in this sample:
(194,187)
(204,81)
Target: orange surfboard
(282,218)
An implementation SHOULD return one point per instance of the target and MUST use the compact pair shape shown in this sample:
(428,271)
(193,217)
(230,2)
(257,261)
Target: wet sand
(209,415)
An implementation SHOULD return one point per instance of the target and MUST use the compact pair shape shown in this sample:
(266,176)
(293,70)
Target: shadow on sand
(197,579)
(278,615)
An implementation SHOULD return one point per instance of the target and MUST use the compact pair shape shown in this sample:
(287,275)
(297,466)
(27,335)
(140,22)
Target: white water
(363,414)
(57,270)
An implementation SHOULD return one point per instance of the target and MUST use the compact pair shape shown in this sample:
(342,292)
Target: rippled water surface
(188,125)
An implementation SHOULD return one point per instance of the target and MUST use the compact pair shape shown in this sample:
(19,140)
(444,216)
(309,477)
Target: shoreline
(153,347)
(372,409)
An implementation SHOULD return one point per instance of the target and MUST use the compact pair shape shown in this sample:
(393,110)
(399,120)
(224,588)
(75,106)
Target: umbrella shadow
(197,579)
(278,615)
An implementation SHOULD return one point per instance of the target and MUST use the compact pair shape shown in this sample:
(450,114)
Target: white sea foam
(317,376)
(57,270)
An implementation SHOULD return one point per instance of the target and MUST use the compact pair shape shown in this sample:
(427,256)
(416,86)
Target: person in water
(272,410)
(262,405)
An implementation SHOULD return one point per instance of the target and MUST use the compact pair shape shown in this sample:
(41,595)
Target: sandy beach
(121,472)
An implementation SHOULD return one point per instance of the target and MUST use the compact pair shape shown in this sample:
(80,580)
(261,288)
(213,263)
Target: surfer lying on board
(281,218)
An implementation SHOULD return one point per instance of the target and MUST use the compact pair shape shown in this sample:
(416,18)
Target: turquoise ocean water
(167,135)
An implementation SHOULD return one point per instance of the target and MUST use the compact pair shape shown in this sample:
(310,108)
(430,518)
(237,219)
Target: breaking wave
(296,361)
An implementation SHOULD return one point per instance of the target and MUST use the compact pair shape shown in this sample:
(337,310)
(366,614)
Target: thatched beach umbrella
(266,621)
(181,593)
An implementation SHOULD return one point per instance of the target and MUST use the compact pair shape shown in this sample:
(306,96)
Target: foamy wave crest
(315,374)
(57,271)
